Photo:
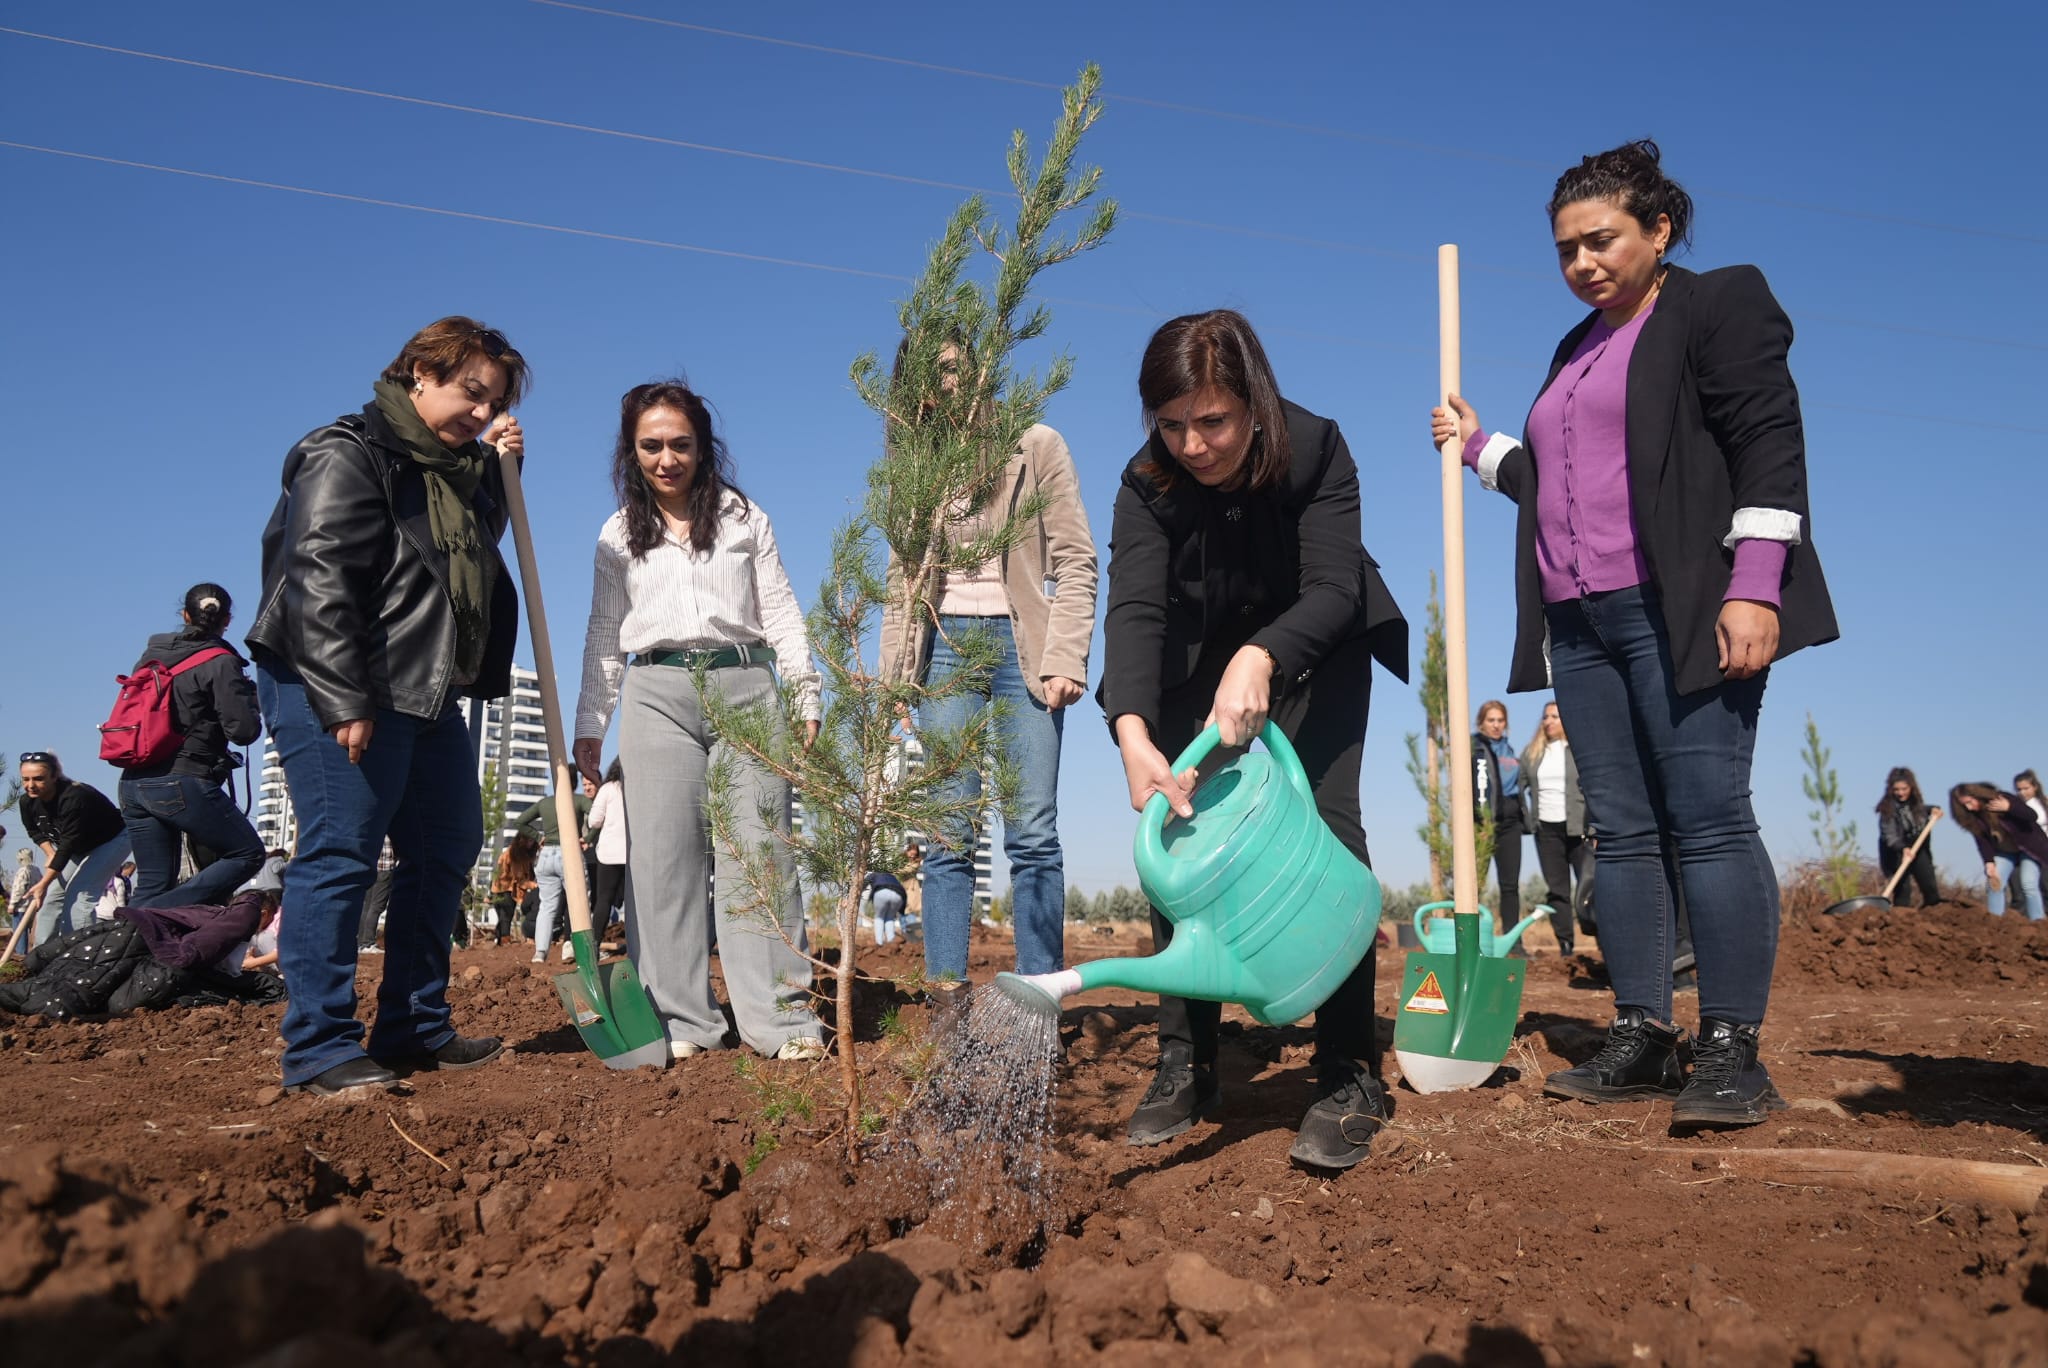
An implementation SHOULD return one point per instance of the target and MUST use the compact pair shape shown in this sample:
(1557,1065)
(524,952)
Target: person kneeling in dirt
(144,957)
(883,893)
(1241,516)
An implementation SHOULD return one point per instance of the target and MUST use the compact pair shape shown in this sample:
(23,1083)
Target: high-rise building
(276,826)
(909,752)
(508,737)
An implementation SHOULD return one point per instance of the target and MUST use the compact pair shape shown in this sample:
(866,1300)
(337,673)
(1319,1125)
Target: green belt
(725,657)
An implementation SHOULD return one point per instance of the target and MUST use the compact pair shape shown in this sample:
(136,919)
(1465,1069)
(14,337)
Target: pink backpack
(139,730)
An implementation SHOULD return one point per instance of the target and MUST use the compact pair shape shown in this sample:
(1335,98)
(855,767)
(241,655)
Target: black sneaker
(1728,1087)
(1180,1095)
(1337,1130)
(1640,1059)
(360,1075)
(457,1052)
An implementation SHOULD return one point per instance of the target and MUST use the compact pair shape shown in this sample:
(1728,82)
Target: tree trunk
(849,1067)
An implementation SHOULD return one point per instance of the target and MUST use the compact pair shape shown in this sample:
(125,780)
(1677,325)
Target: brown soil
(161,1203)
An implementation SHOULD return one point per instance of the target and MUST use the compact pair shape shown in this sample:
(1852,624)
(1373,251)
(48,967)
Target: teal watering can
(1440,937)
(1268,909)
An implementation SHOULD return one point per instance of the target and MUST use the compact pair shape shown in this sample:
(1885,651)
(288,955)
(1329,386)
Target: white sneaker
(568,954)
(684,1049)
(540,959)
(802,1047)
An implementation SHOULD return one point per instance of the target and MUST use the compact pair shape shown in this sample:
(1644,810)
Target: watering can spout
(1524,924)
(1039,992)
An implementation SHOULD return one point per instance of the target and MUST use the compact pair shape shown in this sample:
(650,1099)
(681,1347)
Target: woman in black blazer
(1663,562)
(1239,588)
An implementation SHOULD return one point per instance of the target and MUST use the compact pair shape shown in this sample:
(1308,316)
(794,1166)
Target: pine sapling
(954,411)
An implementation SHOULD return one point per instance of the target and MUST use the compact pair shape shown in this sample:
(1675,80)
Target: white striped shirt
(737,594)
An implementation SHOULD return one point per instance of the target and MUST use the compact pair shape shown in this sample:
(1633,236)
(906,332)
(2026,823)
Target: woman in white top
(688,578)
(1551,777)
(608,870)
(2027,785)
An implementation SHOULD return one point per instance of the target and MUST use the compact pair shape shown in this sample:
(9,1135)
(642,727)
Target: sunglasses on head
(494,342)
(38,758)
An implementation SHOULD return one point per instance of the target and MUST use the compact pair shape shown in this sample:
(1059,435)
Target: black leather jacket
(355,596)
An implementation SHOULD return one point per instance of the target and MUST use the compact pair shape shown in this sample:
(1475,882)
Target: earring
(1257,428)
(418,387)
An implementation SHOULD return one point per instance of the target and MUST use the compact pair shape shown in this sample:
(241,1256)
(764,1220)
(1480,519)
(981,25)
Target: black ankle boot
(1640,1059)
(1181,1094)
(1337,1130)
(1728,1087)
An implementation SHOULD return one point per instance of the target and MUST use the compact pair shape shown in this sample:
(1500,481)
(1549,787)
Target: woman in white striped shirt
(688,577)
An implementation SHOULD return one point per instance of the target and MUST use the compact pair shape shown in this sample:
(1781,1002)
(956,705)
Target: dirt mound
(162,1204)
(1913,947)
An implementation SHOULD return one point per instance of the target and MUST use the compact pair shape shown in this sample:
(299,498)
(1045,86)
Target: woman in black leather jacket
(385,602)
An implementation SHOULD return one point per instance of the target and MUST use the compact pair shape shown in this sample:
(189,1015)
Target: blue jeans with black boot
(1656,766)
(417,782)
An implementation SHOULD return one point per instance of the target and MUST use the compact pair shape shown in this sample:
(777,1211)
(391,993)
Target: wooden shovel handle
(1910,856)
(550,699)
(1457,692)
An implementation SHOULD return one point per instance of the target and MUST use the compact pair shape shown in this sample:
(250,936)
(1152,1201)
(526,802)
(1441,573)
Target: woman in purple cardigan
(2010,842)
(1663,562)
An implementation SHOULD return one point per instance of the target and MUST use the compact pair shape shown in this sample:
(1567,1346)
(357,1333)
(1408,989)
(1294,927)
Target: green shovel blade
(1456,1016)
(611,1010)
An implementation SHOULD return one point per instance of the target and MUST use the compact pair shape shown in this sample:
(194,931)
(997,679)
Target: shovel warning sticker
(1428,998)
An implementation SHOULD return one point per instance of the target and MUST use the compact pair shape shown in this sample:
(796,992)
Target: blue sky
(168,337)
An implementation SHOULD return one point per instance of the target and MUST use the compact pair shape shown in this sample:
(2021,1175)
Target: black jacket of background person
(77,818)
(355,596)
(1713,426)
(1899,824)
(1486,791)
(213,706)
(1321,587)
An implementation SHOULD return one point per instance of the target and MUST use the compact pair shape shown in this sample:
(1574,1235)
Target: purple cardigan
(2021,830)
(194,937)
(1586,539)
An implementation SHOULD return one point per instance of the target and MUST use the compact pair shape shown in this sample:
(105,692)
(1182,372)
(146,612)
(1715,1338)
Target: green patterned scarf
(452,478)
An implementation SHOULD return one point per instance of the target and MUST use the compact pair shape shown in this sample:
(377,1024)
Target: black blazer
(1306,531)
(1713,426)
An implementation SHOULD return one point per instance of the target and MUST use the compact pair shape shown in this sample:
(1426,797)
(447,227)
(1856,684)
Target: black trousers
(374,903)
(1564,858)
(1325,720)
(1920,872)
(1507,866)
(607,891)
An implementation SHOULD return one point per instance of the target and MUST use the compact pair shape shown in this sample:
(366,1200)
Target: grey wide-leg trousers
(668,751)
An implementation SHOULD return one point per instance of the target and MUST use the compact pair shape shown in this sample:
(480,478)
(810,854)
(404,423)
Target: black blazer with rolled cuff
(1311,556)
(1716,451)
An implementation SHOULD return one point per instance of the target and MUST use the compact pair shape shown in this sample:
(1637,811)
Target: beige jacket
(1053,633)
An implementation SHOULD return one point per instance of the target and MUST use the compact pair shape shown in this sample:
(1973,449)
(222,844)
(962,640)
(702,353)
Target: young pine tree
(1840,863)
(953,411)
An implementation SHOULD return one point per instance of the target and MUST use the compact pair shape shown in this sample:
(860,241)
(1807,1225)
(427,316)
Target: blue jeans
(1030,737)
(160,813)
(1655,765)
(547,872)
(2029,875)
(888,913)
(72,900)
(417,781)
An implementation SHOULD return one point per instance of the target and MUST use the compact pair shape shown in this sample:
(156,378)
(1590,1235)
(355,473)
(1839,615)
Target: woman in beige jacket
(1038,601)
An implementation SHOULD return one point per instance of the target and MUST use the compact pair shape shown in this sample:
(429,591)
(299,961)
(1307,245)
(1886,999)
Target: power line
(812,164)
(1265,121)
(805,163)
(761,259)
(459,213)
